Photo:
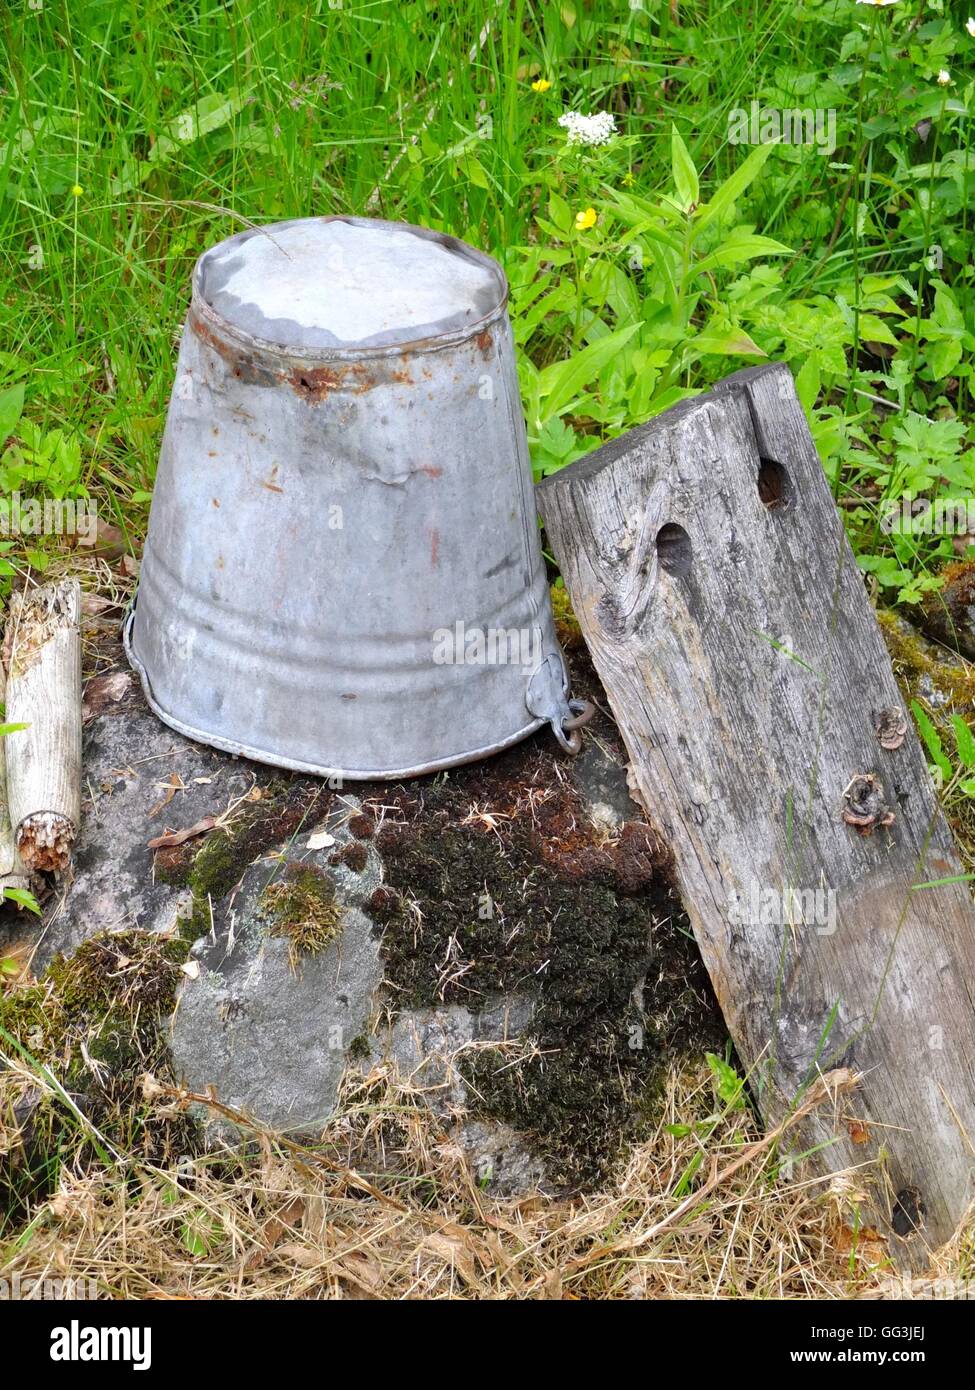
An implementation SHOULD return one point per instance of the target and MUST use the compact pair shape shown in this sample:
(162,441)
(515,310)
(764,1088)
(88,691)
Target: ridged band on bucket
(343,572)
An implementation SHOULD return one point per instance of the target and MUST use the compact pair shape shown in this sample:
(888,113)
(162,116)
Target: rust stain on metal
(434,548)
(431,471)
(314,384)
(485,343)
(241,363)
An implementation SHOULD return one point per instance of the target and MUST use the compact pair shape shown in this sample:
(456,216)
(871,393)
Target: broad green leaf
(943,357)
(561,382)
(808,383)
(732,342)
(194,1241)
(23,898)
(732,188)
(874,330)
(474,170)
(964,740)
(946,312)
(741,246)
(685,175)
(932,741)
(560,213)
(11,409)
(727,1081)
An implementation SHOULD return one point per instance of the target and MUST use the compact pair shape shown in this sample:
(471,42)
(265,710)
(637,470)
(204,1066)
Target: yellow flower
(876,2)
(628,179)
(585,220)
(76,190)
(541,84)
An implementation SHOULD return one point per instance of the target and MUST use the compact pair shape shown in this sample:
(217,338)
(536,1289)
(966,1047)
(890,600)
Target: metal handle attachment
(567,730)
(547,698)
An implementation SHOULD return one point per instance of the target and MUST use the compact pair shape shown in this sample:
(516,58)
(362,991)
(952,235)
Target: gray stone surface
(426,1044)
(266,1038)
(601,781)
(269,1035)
(128,759)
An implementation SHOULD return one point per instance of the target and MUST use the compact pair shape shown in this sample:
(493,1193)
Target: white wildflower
(944,77)
(970,26)
(597,129)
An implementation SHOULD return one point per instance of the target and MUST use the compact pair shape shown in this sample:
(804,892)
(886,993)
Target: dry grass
(386,1207)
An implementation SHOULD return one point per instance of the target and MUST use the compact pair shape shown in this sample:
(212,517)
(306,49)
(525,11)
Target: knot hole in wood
(674,550)
(774,485)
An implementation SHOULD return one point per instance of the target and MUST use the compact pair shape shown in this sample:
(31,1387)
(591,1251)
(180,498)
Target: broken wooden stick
(42,654)
(14,873)
(726,616)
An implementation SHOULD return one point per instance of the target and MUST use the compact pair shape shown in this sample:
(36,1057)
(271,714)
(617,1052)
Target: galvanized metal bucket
(343,572)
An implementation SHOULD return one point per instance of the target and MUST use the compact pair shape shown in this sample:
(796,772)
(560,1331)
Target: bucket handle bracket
(547,698)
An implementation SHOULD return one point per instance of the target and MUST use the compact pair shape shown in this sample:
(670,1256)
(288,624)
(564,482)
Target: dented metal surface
(343,572)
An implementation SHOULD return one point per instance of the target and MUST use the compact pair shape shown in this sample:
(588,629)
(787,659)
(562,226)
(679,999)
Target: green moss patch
(210,868)
(532,903)
(90,1029)
(922,671)
(944,685)
(303,909)
(567,627)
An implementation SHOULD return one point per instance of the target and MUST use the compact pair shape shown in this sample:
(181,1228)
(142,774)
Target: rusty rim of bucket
(211,321)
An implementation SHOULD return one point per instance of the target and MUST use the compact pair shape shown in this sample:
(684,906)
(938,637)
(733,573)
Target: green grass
(180,123)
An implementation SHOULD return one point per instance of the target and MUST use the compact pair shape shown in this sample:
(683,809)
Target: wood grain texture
(13,872)
(731,630)
(42,649)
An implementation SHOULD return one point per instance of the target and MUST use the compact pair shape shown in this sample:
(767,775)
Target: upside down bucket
(343,572)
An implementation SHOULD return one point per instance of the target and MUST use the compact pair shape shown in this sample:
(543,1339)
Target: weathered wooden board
(709,570)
